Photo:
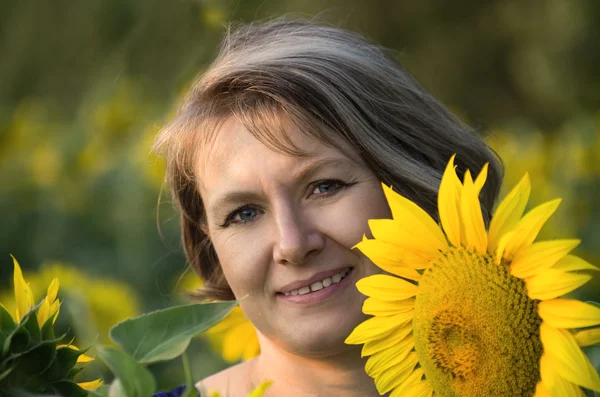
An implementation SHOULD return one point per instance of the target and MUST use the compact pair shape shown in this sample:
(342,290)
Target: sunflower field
(85,86)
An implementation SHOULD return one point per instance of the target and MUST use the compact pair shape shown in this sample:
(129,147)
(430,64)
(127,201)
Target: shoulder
(233,381)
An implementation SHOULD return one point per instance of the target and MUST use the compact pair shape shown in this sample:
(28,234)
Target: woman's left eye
(328,187)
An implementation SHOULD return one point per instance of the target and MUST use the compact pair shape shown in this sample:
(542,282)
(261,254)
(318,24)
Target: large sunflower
(470,312)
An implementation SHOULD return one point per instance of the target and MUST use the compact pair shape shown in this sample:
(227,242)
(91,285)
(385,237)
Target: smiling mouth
(319,285)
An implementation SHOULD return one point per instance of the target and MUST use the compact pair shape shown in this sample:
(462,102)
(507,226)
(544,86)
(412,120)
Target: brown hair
(332,84)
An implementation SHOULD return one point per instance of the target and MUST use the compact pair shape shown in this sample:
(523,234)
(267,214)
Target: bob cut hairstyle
(333,85)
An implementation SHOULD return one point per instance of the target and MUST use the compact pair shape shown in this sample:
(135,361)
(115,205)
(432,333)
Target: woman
(276,160)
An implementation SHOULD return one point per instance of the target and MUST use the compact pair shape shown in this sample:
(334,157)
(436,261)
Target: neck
(342,374)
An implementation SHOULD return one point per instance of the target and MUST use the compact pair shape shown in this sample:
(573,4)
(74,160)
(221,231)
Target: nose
(298,237)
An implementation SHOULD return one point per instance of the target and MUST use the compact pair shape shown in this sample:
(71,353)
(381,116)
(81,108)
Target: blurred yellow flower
(234,338)
(102,302)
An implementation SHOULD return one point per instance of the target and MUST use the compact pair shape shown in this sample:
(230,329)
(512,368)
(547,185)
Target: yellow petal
(377,327)
(566,358)
(252,348)
(475,236)
(528,228)
(481,178)
(391,256)
(541,391)
(234,342)
(261,389)
(394,338)
(387,288)
(93,385)
(499,253)
(43,312)
(509,212)
(54,310)
(569,313)
(588,337)
(53,290)
(411,385)
(378,307)
(419,389)
(552,383)
(407,212)
(403,235)
(540,256)
(550,284)
(23,294)
(388,358)
(83,358)
(572,263)
(448,203)
(395,375)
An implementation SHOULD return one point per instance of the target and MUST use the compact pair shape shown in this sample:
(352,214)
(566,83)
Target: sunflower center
(476,331)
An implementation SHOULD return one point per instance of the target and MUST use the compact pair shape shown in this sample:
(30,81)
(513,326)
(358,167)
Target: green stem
(190,390)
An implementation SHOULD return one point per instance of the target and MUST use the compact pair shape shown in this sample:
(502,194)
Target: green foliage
(31,359)
(134,379)
(165,334)
(152,337)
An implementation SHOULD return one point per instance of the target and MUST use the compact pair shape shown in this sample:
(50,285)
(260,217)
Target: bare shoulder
(232,382)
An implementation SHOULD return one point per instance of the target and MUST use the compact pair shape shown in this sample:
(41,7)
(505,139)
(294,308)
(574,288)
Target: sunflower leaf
(165,334)
(6,321)
(132,377)
(68,388)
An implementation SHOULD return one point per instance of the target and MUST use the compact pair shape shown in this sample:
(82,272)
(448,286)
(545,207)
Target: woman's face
(283,228)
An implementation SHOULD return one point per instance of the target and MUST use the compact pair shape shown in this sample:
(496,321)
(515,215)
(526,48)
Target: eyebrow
(302,174)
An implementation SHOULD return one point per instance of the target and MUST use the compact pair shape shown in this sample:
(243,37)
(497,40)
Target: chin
(321,338)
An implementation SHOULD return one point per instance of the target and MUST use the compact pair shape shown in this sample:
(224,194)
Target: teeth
(304,290)
(319,285)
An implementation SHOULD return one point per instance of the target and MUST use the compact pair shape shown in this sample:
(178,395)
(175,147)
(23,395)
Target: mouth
(325,283)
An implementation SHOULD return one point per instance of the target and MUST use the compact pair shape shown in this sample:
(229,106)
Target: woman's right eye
(241,216)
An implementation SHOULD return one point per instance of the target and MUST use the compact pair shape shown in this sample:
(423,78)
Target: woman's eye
(246,214)
(241,216)
(328,187)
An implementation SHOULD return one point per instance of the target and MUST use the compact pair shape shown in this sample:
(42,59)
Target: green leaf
(6,321)
(68,388)
(165,334)
(20,338)
(36,360)
(135,379)
(64,361)
(47,330)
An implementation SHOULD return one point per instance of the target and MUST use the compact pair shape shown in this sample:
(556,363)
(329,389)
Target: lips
(318,277)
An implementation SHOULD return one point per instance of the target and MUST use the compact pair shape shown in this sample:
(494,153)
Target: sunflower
(49,308)
(470,312)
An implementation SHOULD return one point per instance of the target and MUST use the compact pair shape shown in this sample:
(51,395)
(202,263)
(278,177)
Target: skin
(300,216)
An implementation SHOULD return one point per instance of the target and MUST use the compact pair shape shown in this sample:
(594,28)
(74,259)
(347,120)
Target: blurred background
(85,86)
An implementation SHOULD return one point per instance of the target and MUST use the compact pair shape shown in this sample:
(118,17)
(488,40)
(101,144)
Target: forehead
(235,152)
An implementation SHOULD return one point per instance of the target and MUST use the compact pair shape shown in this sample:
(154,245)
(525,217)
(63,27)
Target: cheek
(349,221)
(243,258)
